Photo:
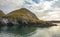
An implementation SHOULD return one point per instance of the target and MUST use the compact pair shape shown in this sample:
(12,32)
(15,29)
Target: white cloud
(54,15)
(38,9)
(55,0)
(48,5)
(9,5)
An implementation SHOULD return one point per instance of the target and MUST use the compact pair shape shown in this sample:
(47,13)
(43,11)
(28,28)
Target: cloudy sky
(44,9)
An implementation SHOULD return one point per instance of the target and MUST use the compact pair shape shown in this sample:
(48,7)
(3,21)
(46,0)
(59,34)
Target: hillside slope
(1,14)
(23,13)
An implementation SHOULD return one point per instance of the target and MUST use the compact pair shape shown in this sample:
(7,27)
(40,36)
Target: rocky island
(22,17)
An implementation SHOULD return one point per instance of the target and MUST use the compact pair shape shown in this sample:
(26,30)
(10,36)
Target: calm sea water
(16,31)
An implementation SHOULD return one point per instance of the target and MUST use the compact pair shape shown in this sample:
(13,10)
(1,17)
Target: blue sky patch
(26,2)
(48,0)
(36,1)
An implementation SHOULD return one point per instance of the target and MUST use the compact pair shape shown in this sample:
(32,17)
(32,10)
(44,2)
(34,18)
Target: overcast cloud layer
(44,9)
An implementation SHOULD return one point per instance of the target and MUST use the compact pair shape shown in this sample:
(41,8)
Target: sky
(44,9)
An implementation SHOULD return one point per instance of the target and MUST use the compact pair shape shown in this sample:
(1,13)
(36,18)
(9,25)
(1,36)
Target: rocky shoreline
(25,23)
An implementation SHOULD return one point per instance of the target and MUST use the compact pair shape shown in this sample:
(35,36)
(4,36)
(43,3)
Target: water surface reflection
(16,31)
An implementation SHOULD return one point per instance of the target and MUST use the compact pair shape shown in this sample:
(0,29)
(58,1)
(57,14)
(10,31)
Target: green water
(16,31)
